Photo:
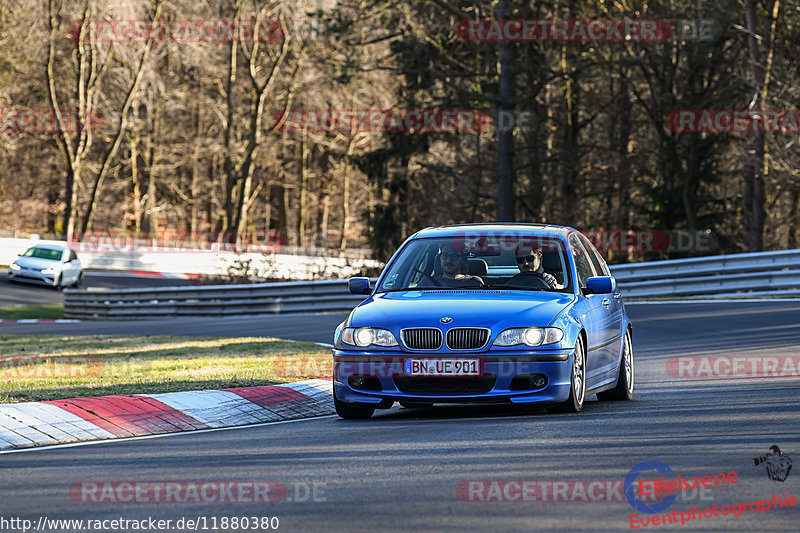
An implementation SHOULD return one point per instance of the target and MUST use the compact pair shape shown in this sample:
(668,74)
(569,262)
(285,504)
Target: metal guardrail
(211,300)
(756,274)
(762,274)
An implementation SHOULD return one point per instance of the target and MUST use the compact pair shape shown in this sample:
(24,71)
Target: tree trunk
(757,166)
(794,218)
(229,175)
(301,207)
(505,138)
(137,186)
(348,168)
(283,213)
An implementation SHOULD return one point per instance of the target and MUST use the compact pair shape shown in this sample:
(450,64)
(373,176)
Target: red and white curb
(40,321)
(78,419)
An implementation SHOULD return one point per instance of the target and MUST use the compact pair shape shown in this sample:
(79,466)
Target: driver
(452,262)
(531,261)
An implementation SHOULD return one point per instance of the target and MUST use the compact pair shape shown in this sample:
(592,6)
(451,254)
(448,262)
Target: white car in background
(47,264)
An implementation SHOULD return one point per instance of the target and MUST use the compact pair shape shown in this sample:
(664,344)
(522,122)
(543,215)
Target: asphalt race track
(400,470)
(12,294)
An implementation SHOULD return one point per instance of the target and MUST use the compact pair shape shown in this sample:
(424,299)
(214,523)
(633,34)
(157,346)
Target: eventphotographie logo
(776,463)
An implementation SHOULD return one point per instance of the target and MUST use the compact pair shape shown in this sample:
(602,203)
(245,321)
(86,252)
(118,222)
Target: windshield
(43,253)
(519,262)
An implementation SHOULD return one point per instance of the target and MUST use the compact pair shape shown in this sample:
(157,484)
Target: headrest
(477,267)
(551,260)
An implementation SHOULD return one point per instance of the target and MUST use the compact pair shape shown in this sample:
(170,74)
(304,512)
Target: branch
(449,172)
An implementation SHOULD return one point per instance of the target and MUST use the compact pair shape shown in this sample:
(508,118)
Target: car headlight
(368,336)
(15,267)
(529,336)
(48,270)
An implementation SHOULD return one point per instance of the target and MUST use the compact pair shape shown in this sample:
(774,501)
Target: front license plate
(443,367)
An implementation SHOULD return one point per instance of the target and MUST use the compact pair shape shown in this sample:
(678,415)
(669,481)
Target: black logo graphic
(777,464)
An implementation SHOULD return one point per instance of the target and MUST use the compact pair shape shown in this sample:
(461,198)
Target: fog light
(538,381)
(356,382)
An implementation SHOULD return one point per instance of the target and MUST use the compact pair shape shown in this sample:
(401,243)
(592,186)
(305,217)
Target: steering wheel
(529,279)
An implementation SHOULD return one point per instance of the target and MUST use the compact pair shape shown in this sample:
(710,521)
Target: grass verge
(54,311)
(50,367)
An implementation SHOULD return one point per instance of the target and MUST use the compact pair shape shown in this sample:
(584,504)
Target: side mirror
(358,285)
(600,285)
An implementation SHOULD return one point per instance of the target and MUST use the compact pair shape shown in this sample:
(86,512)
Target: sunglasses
(526,259)
(451,256)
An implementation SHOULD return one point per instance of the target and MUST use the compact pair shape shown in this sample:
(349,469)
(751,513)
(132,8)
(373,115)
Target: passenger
(452,263)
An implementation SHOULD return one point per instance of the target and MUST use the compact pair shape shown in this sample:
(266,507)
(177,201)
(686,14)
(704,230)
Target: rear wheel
(351,411)
(624,388)
(577,389)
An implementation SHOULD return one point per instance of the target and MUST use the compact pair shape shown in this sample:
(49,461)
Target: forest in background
(193,138)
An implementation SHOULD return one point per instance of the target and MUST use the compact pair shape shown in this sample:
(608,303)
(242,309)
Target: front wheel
(624,388)
(577,381)
(78,281)
(57,283)
(351,411)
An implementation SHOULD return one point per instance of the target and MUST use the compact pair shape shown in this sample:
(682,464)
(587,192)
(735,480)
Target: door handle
(617,295)
(606,301)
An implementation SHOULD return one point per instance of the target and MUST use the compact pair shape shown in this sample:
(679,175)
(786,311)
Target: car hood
(476,308)
(37,263)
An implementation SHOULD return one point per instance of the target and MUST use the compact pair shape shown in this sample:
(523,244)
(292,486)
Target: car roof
(494,227)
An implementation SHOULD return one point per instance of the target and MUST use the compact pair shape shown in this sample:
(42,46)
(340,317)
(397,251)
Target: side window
(594,256)
(582,264)
(72,256)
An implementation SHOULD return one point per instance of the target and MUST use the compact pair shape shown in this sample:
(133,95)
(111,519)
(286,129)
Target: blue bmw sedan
(519,313)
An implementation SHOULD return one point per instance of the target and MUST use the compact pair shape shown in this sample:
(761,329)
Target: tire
(78,281)
(624,389)
(577,381)
(415,405)
(351,411)
(57,283)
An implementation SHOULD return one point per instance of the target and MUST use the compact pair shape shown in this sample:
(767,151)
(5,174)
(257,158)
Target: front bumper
(500,382)
(28,275)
